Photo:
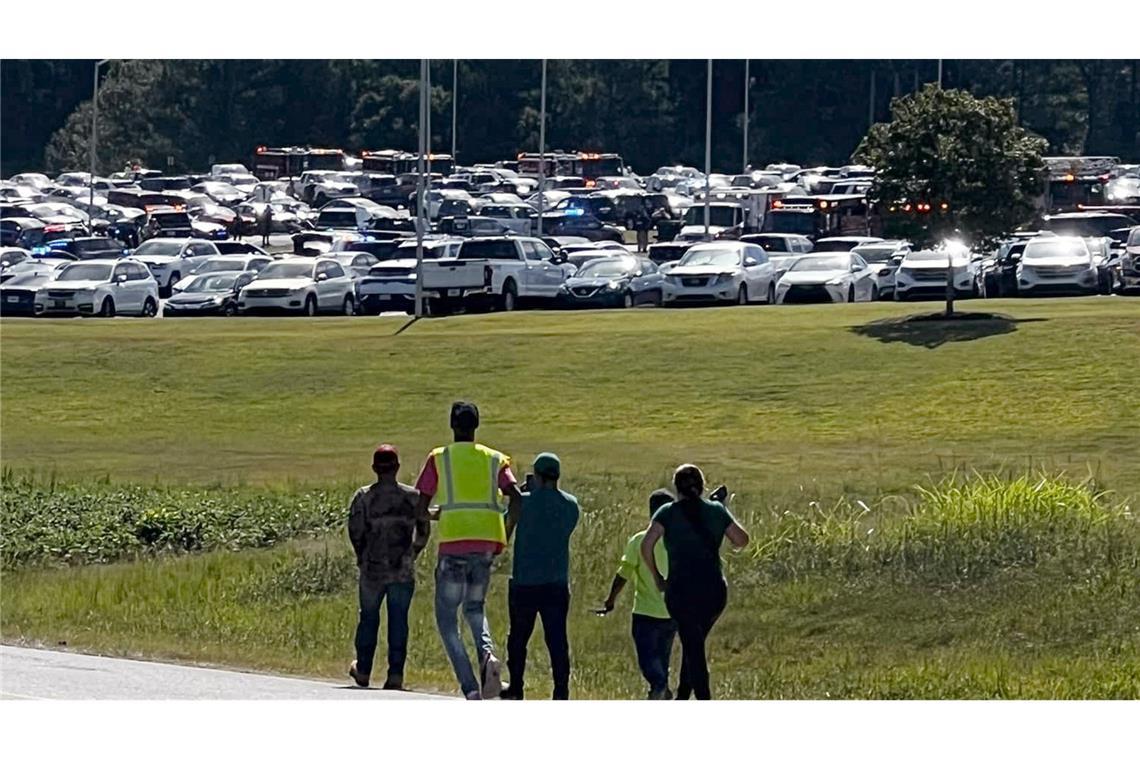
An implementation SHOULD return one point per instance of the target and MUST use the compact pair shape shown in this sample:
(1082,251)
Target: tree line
(651,111)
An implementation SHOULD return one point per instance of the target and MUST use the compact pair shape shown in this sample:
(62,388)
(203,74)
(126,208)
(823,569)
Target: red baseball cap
(386,453)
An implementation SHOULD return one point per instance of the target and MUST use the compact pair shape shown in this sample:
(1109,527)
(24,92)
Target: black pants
(525,603)
(695,607)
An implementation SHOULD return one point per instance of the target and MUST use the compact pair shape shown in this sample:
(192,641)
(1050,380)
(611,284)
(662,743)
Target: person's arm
(615,589)
(356,525)
(423,525)
(514,508)
(648,544)
(426,484)
(736,534)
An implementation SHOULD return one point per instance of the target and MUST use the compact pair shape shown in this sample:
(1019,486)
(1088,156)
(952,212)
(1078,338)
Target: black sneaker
(393,683)
(361,679)
(511,693)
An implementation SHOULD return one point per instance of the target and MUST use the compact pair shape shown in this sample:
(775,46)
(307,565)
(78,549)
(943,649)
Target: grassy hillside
(164,448)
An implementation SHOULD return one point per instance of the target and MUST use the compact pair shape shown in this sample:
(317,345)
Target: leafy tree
(948,146)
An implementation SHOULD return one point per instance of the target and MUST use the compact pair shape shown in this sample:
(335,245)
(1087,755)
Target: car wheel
(851,294)
(107,309)
(349,309)
(974,291)
(627,300)
(230,310)
(150,308)
(509,300)
(742,295)
(658,299)
(310,308)
(771,292)
(874,292)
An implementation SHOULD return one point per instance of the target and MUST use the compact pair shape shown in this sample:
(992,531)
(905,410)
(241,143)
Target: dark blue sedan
(621,281)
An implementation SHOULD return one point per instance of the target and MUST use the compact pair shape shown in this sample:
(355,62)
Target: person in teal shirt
(540,577)
(692,529)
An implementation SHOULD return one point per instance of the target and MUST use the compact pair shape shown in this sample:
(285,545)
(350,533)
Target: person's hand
(606,608)
(720,494)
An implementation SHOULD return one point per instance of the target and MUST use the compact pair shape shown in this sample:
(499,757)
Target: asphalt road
(45,674)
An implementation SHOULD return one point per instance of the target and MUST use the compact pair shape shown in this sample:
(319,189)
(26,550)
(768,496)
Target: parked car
(18,292)
(226,262)
(208,294)
(519,217)
(1128,265)
(580,225)
(1086,223)
(722,271)
(883,259)
(84,248)
(499,271)
(622,281)
(100,288)
(301,285)
(828,278)
(923,273)
(169,259)
(1056,265)
(391,283)
(842,243)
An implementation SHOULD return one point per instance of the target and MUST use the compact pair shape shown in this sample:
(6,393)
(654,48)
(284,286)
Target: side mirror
(322,276)
(120,278)
(750,262)
(1015,257)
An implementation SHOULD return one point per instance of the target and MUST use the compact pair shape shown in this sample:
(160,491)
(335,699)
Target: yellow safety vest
(468,493)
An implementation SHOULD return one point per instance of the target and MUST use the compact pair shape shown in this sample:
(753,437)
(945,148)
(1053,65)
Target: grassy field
(809,413)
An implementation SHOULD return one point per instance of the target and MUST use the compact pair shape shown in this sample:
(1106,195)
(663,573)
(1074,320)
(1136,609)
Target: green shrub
(960,529)
(48,522)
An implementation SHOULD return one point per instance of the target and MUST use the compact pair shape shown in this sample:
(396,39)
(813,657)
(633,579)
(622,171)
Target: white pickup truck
(500,272)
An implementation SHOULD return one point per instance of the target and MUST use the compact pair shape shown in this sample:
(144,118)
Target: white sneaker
(492,677)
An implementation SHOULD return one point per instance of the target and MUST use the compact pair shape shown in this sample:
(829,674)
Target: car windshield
(212,282)
(719,216)
(287,270)
(77,272)
(171,220)
(221,265)
(875,254)
(820,264)
(711,258)
(158,248)
(607,267)
(929,255)
(1047,249)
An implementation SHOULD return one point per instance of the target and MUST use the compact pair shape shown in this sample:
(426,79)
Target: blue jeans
(461,580)
(653,640)
(372,594)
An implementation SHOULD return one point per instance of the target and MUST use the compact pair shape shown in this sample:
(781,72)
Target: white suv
(100,288)
(1056,265)
(300,285)
(171,259)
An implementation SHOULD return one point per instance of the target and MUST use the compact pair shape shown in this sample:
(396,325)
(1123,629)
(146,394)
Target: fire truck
(274,163)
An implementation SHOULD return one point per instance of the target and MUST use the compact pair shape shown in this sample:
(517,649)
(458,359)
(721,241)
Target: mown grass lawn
(793,407)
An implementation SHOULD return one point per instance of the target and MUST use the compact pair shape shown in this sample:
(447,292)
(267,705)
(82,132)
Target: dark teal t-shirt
(694,531)
(542,538)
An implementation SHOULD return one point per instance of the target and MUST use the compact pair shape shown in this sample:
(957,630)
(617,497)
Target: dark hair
(464,415)
(658,499)
(689,481)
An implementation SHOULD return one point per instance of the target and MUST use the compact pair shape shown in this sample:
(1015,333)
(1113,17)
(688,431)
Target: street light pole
(420,193)
(427,121)
(454,104)
(747,83)
(708,143)
(94,143)
(542,149)
(940,73)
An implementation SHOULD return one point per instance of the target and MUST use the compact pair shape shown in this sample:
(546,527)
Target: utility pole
(708,143)
(542,149)
(420,191)
(747,87)
(940,73)
(454,104)
(427,122)
(871,102)
(93,147)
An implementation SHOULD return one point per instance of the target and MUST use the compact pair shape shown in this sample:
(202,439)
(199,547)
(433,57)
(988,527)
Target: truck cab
(495,272)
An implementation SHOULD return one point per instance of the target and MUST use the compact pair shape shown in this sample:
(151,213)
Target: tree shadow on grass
(934,330)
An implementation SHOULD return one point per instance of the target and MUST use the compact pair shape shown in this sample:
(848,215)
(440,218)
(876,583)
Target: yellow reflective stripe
(467,505)
(448,481)
(494,500)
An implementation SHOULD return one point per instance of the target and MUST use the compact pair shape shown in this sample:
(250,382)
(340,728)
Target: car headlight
(219,300)
(614,284)
(158,266)
(835,281)
(723,279)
